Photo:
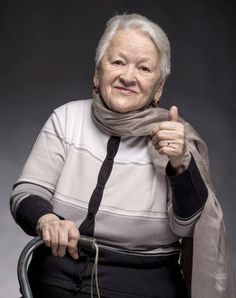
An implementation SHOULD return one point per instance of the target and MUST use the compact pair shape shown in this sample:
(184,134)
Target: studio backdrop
(47,51)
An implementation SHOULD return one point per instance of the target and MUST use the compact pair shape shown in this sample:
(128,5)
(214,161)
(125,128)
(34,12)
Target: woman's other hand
(60,235)
(169,139)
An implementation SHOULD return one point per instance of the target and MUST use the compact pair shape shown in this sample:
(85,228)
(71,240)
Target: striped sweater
(138,212)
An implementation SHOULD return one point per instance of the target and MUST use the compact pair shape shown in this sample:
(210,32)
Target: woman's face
(128,73)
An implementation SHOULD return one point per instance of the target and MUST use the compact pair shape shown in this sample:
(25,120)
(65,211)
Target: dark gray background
(47,58)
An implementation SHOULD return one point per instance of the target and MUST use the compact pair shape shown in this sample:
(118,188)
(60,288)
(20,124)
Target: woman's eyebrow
(145,59)
(124,55)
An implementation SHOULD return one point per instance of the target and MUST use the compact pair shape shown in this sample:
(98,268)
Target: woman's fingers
(60,235)
(170,147)
(50,234)
(173,114)
(62,242)
(73,241)
(169,138)
(54,240)
(46,237)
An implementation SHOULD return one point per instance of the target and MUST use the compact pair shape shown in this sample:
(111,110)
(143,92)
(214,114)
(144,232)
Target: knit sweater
(136,211)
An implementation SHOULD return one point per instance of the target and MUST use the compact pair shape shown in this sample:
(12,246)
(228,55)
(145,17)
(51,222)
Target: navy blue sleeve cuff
(30,210)
(189,191)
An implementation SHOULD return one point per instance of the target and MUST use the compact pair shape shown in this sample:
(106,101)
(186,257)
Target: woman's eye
(145,69)
(118,62)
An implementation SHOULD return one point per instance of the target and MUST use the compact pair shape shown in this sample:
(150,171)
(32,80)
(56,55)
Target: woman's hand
(60,235)
(169,140)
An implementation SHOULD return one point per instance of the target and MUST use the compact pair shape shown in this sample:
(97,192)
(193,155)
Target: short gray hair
(141,23)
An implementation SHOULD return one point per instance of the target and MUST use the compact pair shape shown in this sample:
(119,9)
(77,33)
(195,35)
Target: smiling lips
(124,90)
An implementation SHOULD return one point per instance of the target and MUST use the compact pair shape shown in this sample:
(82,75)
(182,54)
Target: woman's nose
(128,76)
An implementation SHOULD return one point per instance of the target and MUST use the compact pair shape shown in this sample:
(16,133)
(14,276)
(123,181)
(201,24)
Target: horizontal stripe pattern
(66,159)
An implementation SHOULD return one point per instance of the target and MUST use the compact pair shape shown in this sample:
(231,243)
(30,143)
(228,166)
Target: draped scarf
(205,258)
(142,123)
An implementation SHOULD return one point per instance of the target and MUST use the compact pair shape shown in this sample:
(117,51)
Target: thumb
(173,114)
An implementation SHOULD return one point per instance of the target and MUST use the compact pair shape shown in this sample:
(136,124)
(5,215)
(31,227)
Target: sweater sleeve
(189,195)
(33,191)
(30,210)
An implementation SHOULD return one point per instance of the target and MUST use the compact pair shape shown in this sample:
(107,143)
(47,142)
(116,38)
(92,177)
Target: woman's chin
(122,109)
(123,106)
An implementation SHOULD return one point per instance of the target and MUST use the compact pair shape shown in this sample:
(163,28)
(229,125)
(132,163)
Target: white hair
(141,23)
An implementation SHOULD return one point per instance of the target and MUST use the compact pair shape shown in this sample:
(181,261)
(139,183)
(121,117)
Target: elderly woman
(133,176)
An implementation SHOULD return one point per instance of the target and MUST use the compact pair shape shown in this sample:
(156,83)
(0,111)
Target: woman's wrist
(180,163)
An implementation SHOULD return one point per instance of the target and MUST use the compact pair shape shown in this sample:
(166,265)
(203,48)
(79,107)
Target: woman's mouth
(124,90)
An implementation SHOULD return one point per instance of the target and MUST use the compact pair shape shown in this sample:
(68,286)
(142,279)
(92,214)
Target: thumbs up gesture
(169,139)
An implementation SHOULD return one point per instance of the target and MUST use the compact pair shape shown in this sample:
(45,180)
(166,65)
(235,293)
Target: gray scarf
(211,273)
(141,123)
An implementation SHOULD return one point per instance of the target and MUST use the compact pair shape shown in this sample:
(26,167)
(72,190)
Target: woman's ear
(95,79)
(158,94)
